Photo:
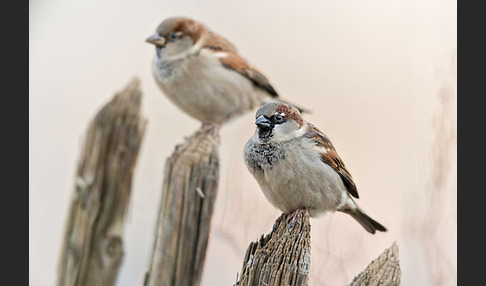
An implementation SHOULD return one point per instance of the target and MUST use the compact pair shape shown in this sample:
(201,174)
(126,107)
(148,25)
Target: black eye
(278,118)
(176,35)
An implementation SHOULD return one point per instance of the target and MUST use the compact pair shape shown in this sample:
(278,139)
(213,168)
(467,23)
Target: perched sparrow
(297,166)
(203,74)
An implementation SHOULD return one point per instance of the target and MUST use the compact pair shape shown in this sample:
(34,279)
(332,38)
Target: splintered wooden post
(383,271)
(282,257)
(93,247)
(188,195)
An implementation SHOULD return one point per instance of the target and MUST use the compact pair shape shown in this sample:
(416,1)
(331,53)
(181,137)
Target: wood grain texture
(383,271)
(281,257)
(93,246)
(186,208)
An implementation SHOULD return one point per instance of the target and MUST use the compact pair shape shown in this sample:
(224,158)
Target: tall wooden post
(93,246)
(186,208)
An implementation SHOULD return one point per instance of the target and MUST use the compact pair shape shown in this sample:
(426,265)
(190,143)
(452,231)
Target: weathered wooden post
(186,208)
(281,257)
(384,270)
(93,246)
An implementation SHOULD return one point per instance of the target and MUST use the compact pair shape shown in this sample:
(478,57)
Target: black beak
(263,122)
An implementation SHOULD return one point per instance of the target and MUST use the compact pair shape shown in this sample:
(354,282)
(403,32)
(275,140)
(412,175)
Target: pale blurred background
(379,76)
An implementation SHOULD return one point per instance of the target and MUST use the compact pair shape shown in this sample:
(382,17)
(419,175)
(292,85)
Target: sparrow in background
(203,74)
(297,166)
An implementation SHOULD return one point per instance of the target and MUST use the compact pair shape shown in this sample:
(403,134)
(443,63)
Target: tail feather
(367,222)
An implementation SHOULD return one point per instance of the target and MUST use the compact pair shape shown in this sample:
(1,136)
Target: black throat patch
(266,156)
(265,134)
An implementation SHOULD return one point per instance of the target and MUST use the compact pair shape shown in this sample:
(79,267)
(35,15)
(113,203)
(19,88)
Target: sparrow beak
(157,40)
(263,122)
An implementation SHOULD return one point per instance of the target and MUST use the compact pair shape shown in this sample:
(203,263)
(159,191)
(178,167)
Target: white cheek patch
(194,49)
(287,131)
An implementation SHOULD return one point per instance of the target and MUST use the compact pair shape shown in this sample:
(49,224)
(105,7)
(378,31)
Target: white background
(370,71)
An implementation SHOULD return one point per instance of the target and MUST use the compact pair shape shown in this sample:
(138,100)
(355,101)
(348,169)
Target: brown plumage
(238,64)
(297,166)
(203,74)
(331,158)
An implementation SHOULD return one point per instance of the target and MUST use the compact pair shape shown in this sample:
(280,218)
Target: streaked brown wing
(217,43)
(331,158)
(238,64)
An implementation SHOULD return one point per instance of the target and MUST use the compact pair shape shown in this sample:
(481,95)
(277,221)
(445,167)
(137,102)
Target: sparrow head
(277,122)
(176,36)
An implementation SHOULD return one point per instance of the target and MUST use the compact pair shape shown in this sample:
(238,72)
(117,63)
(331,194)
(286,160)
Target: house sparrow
(297,166)
(203,74)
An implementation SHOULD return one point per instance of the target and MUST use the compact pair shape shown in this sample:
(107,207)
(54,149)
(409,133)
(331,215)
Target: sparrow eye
(176,35)
(278,118)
